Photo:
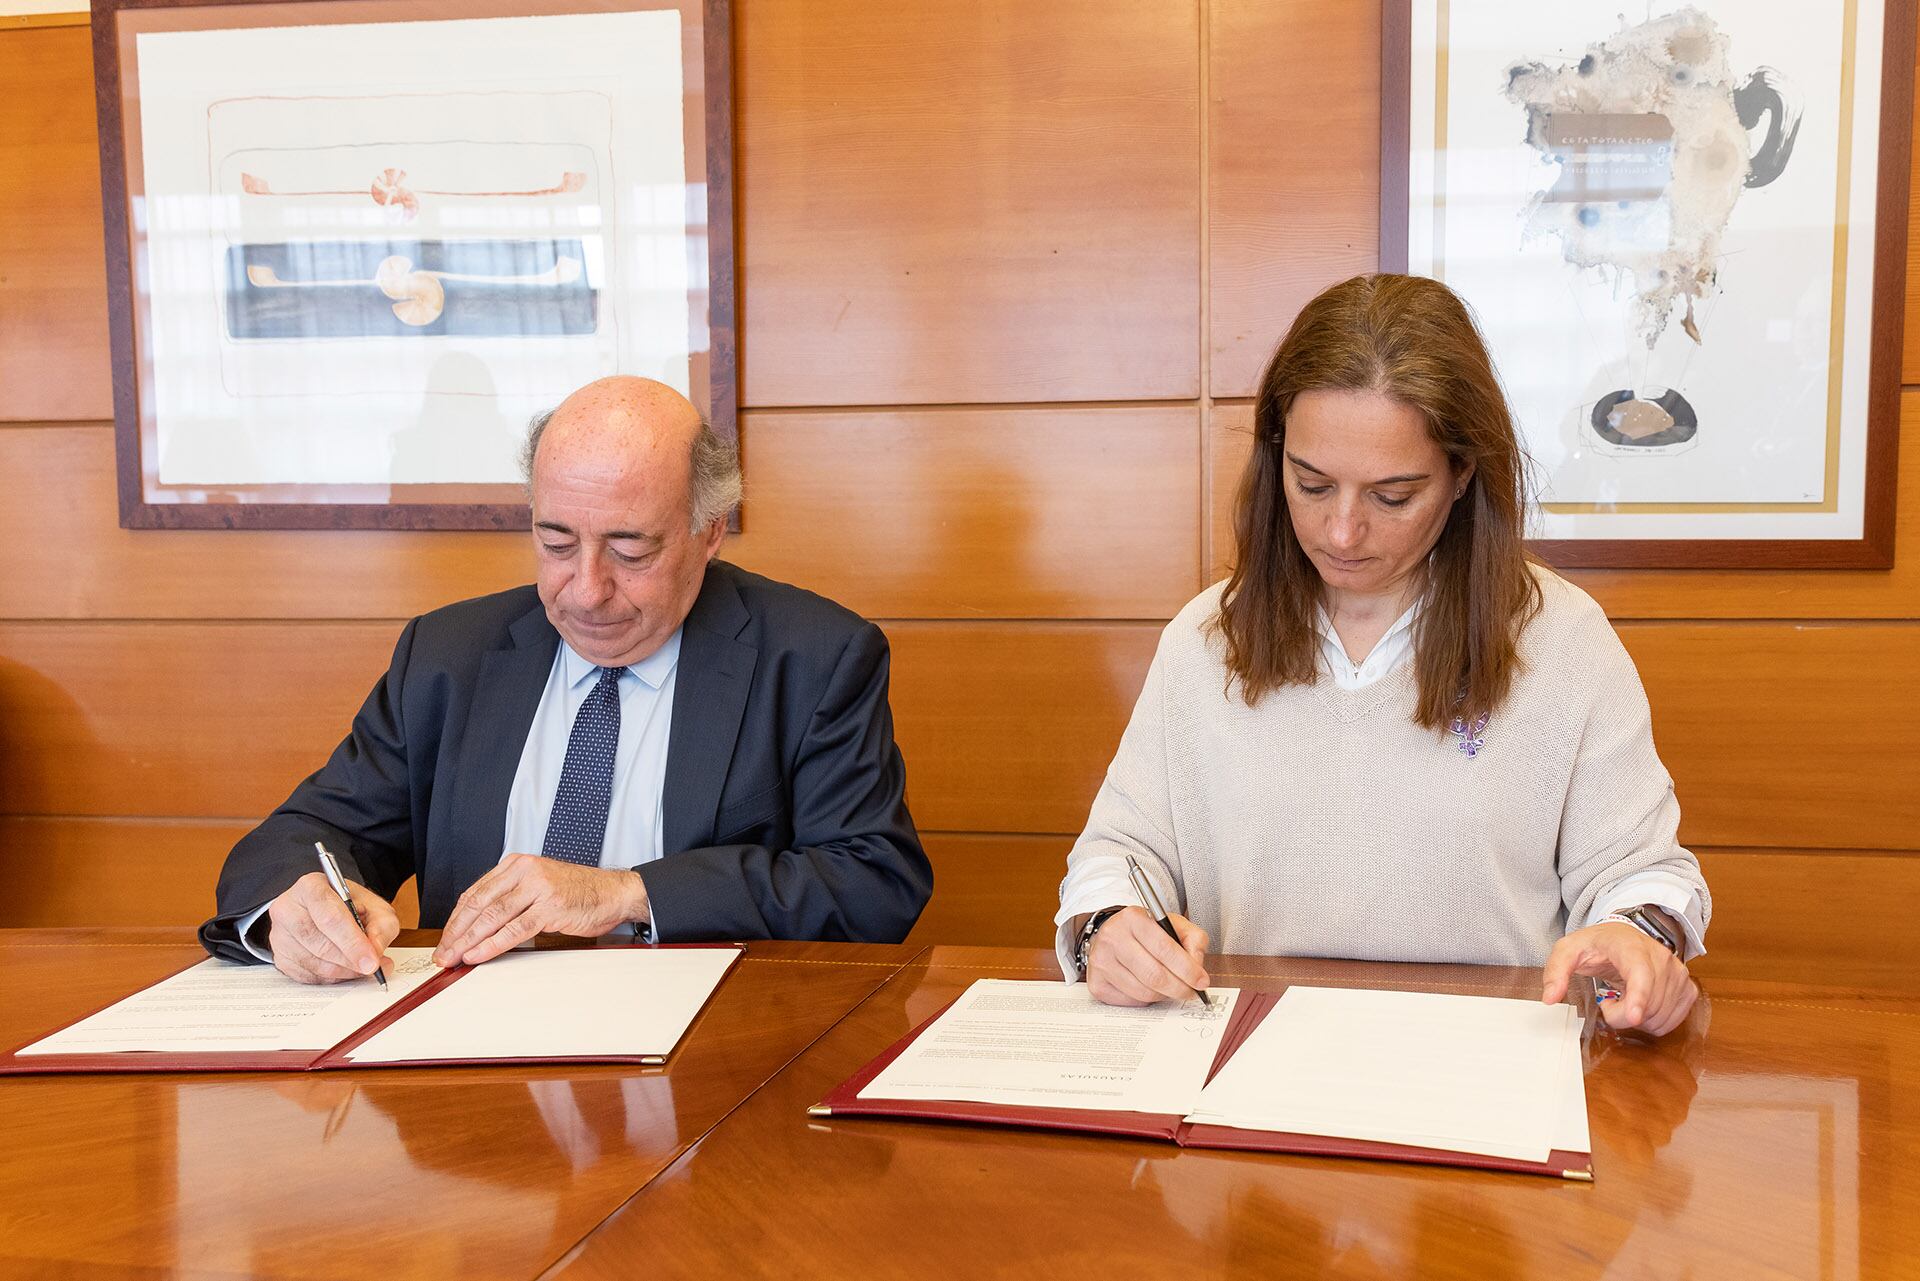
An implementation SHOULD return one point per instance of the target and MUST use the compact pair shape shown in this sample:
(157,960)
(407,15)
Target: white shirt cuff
(245,928)
(646,931)
(1658,889)
(1088,892)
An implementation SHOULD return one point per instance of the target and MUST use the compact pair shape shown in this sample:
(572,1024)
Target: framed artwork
(353,246)
(1682,231)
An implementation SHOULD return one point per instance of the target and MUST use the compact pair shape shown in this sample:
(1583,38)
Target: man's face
(618,568)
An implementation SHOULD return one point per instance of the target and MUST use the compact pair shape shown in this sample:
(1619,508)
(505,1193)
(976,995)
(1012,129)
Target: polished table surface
(389,1173)
(1778,1135)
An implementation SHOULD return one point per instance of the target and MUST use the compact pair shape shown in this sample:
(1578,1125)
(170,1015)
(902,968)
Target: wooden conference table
(1778,1135)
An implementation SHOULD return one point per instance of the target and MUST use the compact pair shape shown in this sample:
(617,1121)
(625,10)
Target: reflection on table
(476,1172)
(1764,1139)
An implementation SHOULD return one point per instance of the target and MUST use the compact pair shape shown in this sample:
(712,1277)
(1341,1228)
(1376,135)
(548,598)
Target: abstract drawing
(1665,221)
(419,250)
(1649,130)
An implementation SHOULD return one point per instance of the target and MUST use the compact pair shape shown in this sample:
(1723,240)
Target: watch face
(1654,927)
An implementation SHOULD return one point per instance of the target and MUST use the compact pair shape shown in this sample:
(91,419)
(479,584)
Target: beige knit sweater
(1324,822)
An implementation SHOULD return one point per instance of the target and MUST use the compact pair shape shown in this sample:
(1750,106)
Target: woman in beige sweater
(1388,735)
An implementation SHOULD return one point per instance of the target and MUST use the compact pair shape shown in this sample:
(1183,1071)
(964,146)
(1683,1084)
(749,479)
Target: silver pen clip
(331,867)
(1143,889)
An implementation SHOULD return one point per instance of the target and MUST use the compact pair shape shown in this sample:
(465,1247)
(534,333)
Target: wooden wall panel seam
(164,820)
(779,411)
(1813,851)
(882,622)
(1621,622)
(1203,337)
(1797,622)
(784,411)
(967,406)
(197,820)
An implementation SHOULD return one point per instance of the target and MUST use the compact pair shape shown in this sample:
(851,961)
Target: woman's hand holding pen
(315,939)
(1133,962)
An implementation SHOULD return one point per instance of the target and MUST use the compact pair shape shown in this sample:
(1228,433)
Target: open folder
(610,1004)
(1407,1076)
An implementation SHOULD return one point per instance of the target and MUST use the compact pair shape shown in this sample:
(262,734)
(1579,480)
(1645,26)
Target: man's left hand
(1657,992)
(527,895)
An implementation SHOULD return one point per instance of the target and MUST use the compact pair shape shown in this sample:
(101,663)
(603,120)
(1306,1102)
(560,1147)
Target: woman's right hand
(1133,962)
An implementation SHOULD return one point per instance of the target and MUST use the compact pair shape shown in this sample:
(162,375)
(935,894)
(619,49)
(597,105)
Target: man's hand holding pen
(315,939)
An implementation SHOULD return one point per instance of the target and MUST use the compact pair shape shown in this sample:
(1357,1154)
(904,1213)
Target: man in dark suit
(646,739)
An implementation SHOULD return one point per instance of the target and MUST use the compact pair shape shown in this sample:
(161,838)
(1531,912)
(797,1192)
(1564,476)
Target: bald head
(624,424)
(614,425)
(626,514)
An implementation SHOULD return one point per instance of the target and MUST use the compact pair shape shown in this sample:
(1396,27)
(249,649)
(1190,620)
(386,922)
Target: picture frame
(1684,238)
(353,246)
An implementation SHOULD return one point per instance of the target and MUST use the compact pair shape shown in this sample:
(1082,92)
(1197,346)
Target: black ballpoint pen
(1151,901)
(339,884)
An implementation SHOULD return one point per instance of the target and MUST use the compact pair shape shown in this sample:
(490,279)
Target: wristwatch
(1649,923)
(1087,932)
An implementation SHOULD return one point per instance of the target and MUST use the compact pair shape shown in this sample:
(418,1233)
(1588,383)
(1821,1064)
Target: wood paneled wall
(1008,274)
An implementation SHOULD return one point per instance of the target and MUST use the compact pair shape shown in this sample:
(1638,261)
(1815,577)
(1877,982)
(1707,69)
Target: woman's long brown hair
(1409,338)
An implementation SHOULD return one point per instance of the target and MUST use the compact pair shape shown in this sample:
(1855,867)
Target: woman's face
(1367,488)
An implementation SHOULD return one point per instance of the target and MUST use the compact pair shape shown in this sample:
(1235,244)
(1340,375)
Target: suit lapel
(709,698)
(505,697)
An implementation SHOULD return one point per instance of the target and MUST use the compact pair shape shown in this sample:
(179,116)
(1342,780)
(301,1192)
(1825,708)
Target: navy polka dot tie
(577,825)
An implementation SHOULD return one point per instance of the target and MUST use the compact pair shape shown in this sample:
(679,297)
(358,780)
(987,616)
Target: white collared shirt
(1392,649)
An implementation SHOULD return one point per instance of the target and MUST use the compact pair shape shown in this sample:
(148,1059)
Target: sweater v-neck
(1350,705)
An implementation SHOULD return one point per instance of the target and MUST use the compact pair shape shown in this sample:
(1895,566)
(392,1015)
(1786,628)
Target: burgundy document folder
(16,1064)
(1252,1007)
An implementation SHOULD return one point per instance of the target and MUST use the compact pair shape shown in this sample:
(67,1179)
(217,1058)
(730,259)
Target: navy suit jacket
(785,796)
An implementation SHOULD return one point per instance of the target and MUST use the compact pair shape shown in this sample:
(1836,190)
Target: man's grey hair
(716,469)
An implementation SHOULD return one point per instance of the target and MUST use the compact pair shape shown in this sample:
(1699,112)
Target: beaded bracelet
(1087,932)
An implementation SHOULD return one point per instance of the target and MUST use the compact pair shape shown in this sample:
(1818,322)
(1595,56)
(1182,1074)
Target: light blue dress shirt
(635,822)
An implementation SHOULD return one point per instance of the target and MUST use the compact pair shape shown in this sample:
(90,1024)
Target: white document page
(586,1003)
(1570,1132)
(1482,1075)
(1045,1044)
(225,1006)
